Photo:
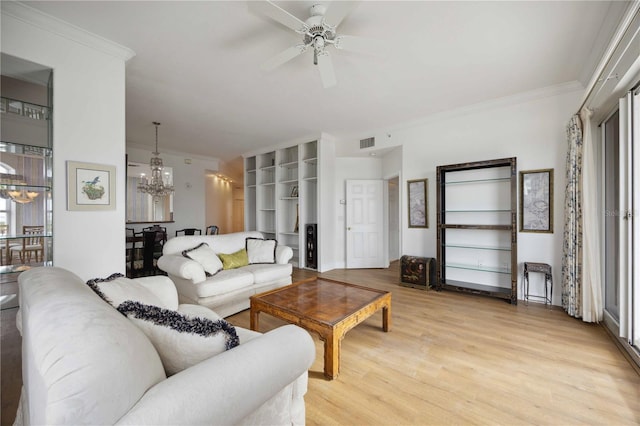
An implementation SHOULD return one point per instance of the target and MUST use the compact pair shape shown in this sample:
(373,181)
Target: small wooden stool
(548,278)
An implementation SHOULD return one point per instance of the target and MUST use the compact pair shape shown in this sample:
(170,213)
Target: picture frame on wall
(417,197)
(536,201)
(90,186)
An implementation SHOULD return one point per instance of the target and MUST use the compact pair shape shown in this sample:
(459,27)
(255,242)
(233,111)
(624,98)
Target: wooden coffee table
(327,307)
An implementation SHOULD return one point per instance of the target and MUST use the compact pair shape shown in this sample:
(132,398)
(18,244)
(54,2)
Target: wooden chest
(417,272)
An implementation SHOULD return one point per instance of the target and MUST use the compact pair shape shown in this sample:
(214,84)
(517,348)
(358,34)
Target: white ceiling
(197,65)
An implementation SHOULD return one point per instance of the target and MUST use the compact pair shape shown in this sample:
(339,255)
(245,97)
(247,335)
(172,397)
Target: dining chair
(212,230)
(32,244)
(143,260)
(189,231)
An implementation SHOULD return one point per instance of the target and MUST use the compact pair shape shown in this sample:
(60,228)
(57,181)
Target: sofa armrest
(182,267)
(228,387)
(163,288)
(283,254)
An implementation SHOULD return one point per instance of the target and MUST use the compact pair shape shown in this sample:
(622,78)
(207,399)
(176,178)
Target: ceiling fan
(318,33)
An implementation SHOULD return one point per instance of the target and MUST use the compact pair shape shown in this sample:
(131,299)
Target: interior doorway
(393,215)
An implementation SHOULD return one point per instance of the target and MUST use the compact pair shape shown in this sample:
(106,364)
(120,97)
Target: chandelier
(21,196)
(156,187)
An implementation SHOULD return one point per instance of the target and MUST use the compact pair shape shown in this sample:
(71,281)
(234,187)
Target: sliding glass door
(621,143)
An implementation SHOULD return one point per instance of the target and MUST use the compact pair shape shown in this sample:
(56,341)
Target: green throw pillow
(234,260)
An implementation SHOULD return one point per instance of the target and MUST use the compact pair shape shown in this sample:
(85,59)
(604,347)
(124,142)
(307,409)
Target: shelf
(267,231)
(251,186)
(289,181)
(265,168)
(313,160)
(23,236)
(312,178)
(467,246)
(267,210)
(290,165)
(251,171)
(477,227)
(461,182)
(487,227)
(12,269)
(267,183)
(492,269)
(9,186)
(489,290)
(290,198)
(479,211)
(295,234)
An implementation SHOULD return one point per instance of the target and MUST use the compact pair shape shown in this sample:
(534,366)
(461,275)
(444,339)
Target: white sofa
(85,363)
(228,291)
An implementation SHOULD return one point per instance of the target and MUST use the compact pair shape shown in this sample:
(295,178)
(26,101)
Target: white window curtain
(592,303)
(581,278)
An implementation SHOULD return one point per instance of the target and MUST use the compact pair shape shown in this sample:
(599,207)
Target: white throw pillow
(260,250)
(182,340)
(205,256)
(117,288)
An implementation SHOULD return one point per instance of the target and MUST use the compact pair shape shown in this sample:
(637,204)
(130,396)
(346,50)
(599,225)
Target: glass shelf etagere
(476,228)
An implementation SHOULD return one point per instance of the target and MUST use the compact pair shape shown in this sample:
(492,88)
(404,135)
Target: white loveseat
(228,291)
(85,363)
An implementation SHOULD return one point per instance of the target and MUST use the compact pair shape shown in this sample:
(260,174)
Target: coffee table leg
(331,355)
(255,314)
(386,318)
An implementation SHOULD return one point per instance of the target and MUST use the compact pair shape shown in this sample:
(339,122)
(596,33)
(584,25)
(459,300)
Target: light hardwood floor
(455,358)
(449,359)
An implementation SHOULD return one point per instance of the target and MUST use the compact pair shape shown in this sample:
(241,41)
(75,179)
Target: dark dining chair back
(189,231)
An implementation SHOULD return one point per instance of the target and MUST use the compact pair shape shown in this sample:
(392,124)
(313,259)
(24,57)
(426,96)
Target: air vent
(367,143)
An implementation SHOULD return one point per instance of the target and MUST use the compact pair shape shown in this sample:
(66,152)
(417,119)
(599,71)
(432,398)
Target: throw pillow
(234,260)
(116,288)
(205,256)
(260,250)
(182,340)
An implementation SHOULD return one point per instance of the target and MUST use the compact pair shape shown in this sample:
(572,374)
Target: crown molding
(31,16)
(519,98)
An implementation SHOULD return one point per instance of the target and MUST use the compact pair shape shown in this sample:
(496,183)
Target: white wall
(88,126)
(190,182)
(530,127)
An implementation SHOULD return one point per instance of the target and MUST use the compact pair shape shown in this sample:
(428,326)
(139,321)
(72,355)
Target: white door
(365,212)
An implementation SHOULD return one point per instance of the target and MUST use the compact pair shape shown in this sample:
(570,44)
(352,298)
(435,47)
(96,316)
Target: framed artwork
(90,186)
(417,196)
(294,191)
(536,201)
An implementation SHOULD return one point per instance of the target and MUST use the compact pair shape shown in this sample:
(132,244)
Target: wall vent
(367,143)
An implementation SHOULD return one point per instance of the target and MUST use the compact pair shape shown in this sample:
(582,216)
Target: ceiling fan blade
(337,11)
(278,14)
(360,45)
(325,66)
(283,57)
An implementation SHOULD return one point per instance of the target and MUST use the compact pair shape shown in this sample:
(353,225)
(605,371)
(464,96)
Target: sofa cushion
(260,250)
(181,339)
(205,256)
(234,260)
(267,273)
(116,288)
(225,282)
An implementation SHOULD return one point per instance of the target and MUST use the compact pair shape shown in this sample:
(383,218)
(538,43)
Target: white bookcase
(282,195)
